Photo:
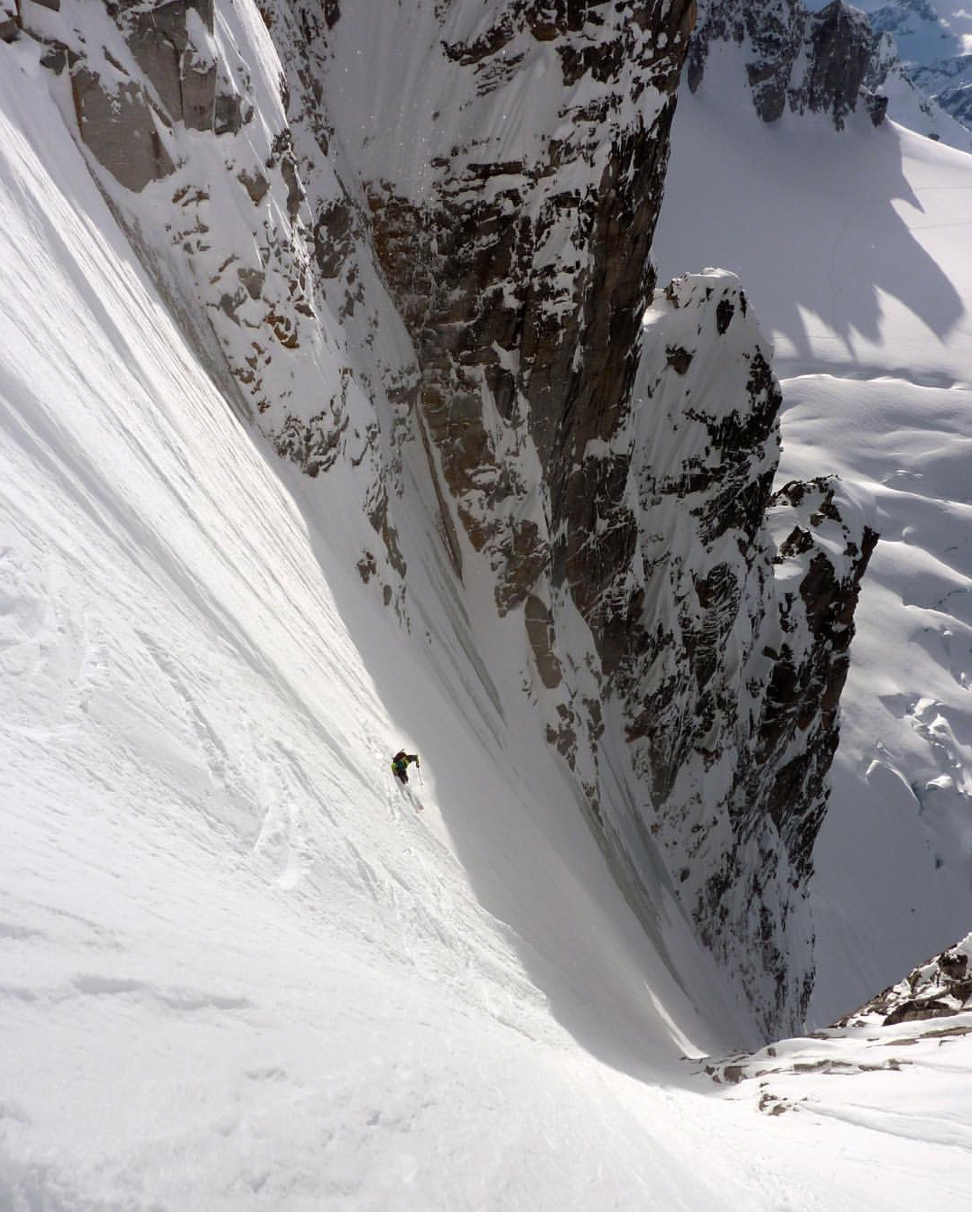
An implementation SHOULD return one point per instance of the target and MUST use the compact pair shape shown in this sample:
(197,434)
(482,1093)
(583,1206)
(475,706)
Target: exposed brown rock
(9,21)
(119,129)
(227,114)
(574,364)
(540,631)
(256,185)
(940,988)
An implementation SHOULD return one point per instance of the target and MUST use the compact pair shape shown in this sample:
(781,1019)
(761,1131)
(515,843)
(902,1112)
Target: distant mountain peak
(795,59)
(833,61)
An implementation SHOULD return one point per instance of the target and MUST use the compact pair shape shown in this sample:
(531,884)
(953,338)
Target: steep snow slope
(855,250)
(236,969)
(436,291)
(512,164)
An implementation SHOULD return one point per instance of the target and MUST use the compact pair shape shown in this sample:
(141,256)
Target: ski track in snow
(237,969)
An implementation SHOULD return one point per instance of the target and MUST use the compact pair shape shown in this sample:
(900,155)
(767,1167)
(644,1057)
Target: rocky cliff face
(834,61)
(737,608)
(795,58)
(940,988)
(536,258)
(420,234)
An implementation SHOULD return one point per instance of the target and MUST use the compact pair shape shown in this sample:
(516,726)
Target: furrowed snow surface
(856,250)
(237,970)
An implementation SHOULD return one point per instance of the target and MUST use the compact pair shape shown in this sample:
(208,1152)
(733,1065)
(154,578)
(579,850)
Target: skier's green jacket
(400,763)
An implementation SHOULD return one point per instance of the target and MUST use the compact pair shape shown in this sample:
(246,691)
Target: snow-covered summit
(923,46)
(919,31)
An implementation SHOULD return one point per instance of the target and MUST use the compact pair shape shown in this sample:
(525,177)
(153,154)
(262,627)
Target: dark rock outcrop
(795,58)
(534,294)
(940,988)
(126,111)
(840,46)
(183,75)
(835,61)
(9,21)
(728,635)
(120,129)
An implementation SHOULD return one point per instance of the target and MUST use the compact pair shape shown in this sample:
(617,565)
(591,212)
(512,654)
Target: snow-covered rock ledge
(940,988)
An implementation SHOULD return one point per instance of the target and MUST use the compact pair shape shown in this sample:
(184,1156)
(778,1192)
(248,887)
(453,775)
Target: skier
(400,764)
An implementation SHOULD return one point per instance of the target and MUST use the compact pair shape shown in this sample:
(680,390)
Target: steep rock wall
(795,59)
(738,606)
(616,477)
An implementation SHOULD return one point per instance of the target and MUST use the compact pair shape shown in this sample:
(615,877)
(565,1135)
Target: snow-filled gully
(237,969)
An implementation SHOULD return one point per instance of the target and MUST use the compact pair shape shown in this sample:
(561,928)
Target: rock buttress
(522,270)
(794,58)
